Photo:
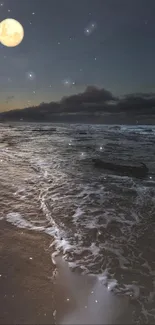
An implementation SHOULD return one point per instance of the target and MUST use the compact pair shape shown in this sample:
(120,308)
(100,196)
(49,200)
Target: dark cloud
(92,95)
(93,104)
(137,103)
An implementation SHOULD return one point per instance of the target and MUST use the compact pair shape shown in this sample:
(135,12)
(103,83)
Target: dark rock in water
(134,171)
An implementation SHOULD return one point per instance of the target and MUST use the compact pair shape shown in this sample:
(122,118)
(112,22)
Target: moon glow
(11,32)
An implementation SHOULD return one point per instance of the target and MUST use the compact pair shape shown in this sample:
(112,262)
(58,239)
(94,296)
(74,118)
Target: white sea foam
(94,249)
(112,284)
(17,220)
(77,214)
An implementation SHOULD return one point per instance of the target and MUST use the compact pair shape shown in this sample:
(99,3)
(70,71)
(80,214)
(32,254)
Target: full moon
(11,32)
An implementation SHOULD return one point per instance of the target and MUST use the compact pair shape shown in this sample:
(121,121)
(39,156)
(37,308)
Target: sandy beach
(26,288)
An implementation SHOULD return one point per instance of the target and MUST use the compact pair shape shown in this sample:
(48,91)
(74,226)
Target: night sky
(69,45)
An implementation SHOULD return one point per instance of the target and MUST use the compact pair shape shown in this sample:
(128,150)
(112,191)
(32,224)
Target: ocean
(103,223)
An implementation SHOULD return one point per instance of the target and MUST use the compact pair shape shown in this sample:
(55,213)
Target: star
(92,25)
(87,31)
(33,13)
(30,75)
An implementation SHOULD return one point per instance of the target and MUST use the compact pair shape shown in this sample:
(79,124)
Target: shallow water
(103,223)
(84,300)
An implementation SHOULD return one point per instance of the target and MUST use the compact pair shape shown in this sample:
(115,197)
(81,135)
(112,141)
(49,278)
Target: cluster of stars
(2,4)
(69,83)
(90,29)
(30,22)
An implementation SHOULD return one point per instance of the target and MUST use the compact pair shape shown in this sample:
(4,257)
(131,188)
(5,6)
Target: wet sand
(31,294)
(26,288)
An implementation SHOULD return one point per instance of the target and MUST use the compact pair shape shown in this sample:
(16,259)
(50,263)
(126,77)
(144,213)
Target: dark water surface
(103,223)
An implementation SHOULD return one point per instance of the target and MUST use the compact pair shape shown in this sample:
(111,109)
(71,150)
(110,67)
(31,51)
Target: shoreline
(33,290)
